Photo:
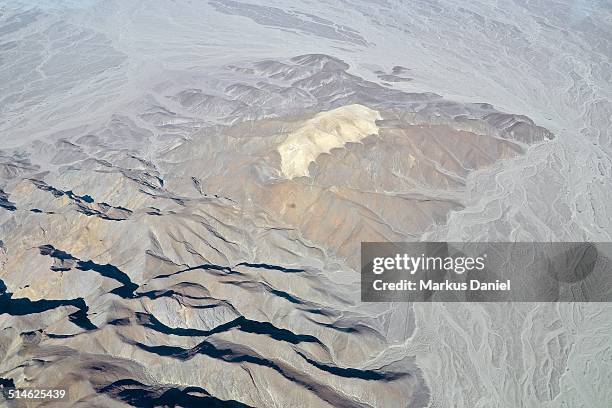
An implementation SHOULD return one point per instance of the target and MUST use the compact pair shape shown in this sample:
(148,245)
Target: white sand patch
(325,131)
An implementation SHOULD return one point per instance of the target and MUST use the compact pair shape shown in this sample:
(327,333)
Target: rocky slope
(180,223)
